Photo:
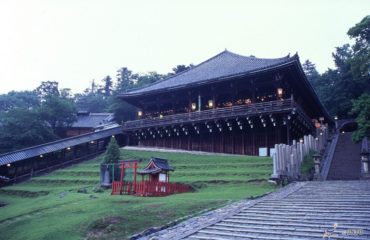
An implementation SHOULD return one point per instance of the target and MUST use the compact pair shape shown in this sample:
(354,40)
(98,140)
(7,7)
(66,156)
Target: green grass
(50,207)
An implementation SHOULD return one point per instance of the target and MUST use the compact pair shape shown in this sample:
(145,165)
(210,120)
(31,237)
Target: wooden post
(232,142)
(189,142)
(122,176)
(199,102)
(213,141)
(243,143)
(135,168)
(288,131)
(222,142)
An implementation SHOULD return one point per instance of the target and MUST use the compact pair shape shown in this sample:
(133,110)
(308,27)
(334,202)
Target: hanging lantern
(140,113)
(210,103)
(279,92)
(193,106)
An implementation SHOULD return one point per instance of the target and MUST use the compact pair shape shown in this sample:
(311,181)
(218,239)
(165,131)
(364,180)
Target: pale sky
(75,41)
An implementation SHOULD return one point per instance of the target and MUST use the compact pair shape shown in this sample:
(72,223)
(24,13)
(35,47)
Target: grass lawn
(50,207)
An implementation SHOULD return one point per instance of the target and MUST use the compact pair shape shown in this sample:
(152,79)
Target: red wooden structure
(119,187)
(154,181)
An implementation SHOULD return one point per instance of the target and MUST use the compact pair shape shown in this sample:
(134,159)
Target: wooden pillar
(266,140)
(189,99)
(243,142)
(222,142)
(213,142)
(232,142)
(199,102)
(288,131)
(253,141)
(253,91)
(189,142)
(135,168)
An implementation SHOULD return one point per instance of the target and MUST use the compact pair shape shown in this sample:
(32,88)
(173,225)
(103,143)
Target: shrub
(112,154)
(307,167)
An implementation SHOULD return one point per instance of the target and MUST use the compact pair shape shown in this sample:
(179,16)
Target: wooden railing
(218,113)
(149,189)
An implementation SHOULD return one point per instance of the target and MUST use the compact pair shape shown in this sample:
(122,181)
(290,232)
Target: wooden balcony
(272,107)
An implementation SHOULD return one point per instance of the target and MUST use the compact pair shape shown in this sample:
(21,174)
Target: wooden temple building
(228,104)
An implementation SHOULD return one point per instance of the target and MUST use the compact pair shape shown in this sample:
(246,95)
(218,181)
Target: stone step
(306,213)
(246,212)
(302,229)
(310,207)
(327,202)
(281,231)
(259,234)
(311,210)
(332,219)
(296,223)
(325,196)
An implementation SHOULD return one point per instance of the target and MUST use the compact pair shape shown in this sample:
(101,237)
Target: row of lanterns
(240,123)
(211,104)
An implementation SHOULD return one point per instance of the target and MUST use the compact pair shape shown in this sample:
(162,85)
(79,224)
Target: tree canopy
(344,90)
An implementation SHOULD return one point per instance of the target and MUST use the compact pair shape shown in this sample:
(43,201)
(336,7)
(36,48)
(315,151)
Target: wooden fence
(149,189)
(287,159)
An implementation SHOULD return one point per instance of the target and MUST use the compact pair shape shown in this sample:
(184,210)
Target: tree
(361,108)
(58,112)
(180,68)
(149,78)
(20,128)
(125,80)
(312,74)
(48,88)
(23,99)
(360,62)
(91,102)
(66,93)
(112,155)
(107,89)
(122,110)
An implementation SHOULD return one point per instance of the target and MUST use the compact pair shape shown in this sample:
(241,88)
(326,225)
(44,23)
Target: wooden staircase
(346,163)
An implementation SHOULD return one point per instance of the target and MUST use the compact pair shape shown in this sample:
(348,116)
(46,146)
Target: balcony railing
(215,114)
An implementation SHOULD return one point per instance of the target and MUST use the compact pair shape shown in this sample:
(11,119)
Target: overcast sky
(75,41)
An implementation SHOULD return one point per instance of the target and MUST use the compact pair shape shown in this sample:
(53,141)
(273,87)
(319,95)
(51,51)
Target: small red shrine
(157,170)
(155,179)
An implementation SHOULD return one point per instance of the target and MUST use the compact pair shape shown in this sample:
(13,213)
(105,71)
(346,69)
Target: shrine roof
(224,65)
(156,165)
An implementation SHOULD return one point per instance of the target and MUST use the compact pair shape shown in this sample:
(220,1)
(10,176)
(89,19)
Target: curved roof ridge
(176,74)
(254,57)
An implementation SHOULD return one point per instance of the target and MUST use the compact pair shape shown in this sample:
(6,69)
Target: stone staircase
(340,208)
(346,163)
(301,210)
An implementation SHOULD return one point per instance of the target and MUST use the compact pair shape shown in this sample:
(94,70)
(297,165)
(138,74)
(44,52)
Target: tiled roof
(93,120)
(56,145)
(159,165)
(224,64)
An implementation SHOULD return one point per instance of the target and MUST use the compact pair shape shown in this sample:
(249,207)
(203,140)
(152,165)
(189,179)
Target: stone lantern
(317,162)
(365,164)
